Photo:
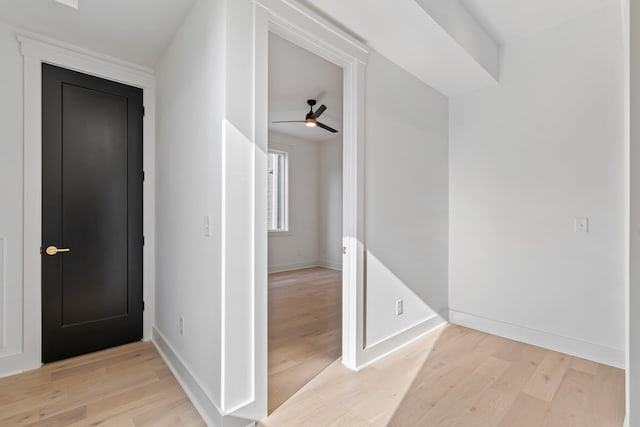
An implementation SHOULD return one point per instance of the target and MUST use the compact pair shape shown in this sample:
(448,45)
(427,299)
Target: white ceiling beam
(442,44)
(70,3)
(454,18)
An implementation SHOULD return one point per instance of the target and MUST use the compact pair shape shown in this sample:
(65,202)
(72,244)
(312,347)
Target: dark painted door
(91,212)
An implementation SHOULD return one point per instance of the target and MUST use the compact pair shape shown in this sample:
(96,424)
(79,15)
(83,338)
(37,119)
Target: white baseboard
(205,406)
(292,267)
(18,363)
(4,374)
(586,350)
(389,345)
(330,265)
(302,265)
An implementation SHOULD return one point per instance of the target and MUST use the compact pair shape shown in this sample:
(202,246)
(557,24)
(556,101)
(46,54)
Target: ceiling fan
(311,119)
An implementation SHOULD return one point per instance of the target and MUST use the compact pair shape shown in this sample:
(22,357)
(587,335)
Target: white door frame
(37,50)
(302,27)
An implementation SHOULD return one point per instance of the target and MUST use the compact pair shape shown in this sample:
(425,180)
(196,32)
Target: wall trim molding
(35,51)
(385,347)
(303,265)
(303,27)
(3,294)
(209,412)
(330,265)
(37,42)
(204,405)
(572,346)
(293,267)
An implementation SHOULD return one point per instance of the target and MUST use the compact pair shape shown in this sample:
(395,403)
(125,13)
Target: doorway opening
(304,216)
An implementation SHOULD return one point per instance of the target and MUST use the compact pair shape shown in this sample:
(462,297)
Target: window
(277,193)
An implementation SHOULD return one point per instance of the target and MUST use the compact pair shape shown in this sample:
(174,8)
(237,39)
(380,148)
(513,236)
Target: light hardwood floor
(452,377)
(124,386)
(305,323)
(460,377)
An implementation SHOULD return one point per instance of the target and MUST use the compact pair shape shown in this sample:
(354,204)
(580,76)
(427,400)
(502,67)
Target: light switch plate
(399,307)
(581,225)
(207,226)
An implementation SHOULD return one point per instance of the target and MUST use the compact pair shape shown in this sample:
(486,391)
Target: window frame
(283,205)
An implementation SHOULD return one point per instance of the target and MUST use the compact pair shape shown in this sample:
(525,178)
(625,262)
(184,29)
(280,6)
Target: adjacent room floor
(126,386)
(305,328)
(460,377)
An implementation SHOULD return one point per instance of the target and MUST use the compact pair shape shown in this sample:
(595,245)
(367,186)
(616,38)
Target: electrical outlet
(399,307)
(181,326)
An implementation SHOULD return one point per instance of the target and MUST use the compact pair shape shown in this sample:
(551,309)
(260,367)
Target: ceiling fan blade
(325,127)
(319,111)
(290,121)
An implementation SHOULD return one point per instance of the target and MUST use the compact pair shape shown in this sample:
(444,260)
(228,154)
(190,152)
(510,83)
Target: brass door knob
(52,250)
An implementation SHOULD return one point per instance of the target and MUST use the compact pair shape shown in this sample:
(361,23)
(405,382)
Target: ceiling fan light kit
(311,119)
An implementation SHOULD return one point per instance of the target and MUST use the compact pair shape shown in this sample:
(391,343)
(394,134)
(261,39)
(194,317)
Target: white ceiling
(134,30)
(296,75)
(139,30)
(510,20)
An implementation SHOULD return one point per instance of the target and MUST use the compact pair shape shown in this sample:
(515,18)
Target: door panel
(92,205)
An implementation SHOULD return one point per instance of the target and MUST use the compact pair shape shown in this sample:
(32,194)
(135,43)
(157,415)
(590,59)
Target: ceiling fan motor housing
(311,119)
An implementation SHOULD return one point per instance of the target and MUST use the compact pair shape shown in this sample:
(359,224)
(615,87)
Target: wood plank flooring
(126,386)
(454,376)
(305,324)
(460,377)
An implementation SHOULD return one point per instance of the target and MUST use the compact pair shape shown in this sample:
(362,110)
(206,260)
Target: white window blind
(277,194)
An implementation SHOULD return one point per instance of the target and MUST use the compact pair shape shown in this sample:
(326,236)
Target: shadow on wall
(420,297)
(406,200)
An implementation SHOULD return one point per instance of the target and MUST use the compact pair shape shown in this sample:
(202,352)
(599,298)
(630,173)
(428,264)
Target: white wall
(315,205)
(330,243)
(20,188)
(205,162)
(11,184)
(526,158)
(300,246)
(240,167)
(406,200)
(190,108)
(633,346)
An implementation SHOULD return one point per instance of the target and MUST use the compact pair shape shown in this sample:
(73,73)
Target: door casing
(302,27)
(35,52)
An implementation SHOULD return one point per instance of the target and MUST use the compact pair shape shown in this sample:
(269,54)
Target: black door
(91,213)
